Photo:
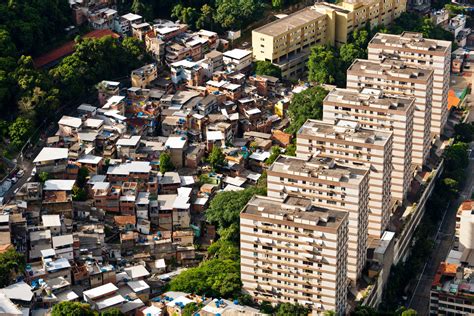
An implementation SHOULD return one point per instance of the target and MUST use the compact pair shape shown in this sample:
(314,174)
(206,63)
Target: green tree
(456,156)
(68,308)
(43,176)
(225,207)
(12,264)
(205,18)
(112,312)
(454,9)
(190,309)
(215,277)
(79,194)
(409,312)
(274,153)
(288,309)
(237,13)
(187,15)
(350,52)
(143,9)
(307,104)
(464,132)
(277,4)
(216,158)
(364,311)
(323,65)
(451,186)
(20,130)
(267,308)
(165,162)
(230,233)
(266,68)
(291,150)
(82,175)
(224,249)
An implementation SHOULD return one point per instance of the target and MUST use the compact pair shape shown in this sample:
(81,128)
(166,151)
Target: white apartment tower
(294,252)
(371,108)
(396,78)
(419,52)
(347,142)
(330,185)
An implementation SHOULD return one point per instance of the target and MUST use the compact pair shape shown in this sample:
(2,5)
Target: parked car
(20,173)
(33,172)
(14,180)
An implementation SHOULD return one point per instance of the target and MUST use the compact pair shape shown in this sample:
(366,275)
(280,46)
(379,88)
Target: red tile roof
(68,48)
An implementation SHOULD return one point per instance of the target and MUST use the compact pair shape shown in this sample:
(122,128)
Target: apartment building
(328,184)
(286,42)
(294,252)
(396,78)
(417,51)
(350,15)
(371,108)
(347,142)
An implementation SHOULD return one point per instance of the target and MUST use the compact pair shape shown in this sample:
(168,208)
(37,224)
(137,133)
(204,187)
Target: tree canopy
(216,158)
(67,308)
(165,162)
(215,277)
(274,153)
(323,65)
(307,104)
(288,309)
(225,207)
(12,263)
(266,68)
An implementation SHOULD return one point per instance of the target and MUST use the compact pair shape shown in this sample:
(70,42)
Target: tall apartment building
(332,185)
(417,51)
(396,78)
(350,15)
(294,252)
(371,108)
(286,42)
(347,142)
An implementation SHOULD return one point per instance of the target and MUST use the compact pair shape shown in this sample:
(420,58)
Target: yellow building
(287,42)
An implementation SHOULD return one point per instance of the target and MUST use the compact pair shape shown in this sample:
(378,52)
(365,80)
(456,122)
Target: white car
(33,172)
(14,180)
(20,173)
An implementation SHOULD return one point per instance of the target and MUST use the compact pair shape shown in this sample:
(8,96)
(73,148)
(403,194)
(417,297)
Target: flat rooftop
(295,209)
(289,22)
(344,130)
(410,41)
(390,68)
(317,167)
(373,98)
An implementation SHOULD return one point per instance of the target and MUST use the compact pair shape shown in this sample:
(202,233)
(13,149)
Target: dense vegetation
(266,68)
(34,96)
(68,308)
(12,264)
(307,104)
(446,190)
(218,15)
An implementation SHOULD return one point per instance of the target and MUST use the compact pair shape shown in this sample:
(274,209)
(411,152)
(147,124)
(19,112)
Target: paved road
(444,242)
